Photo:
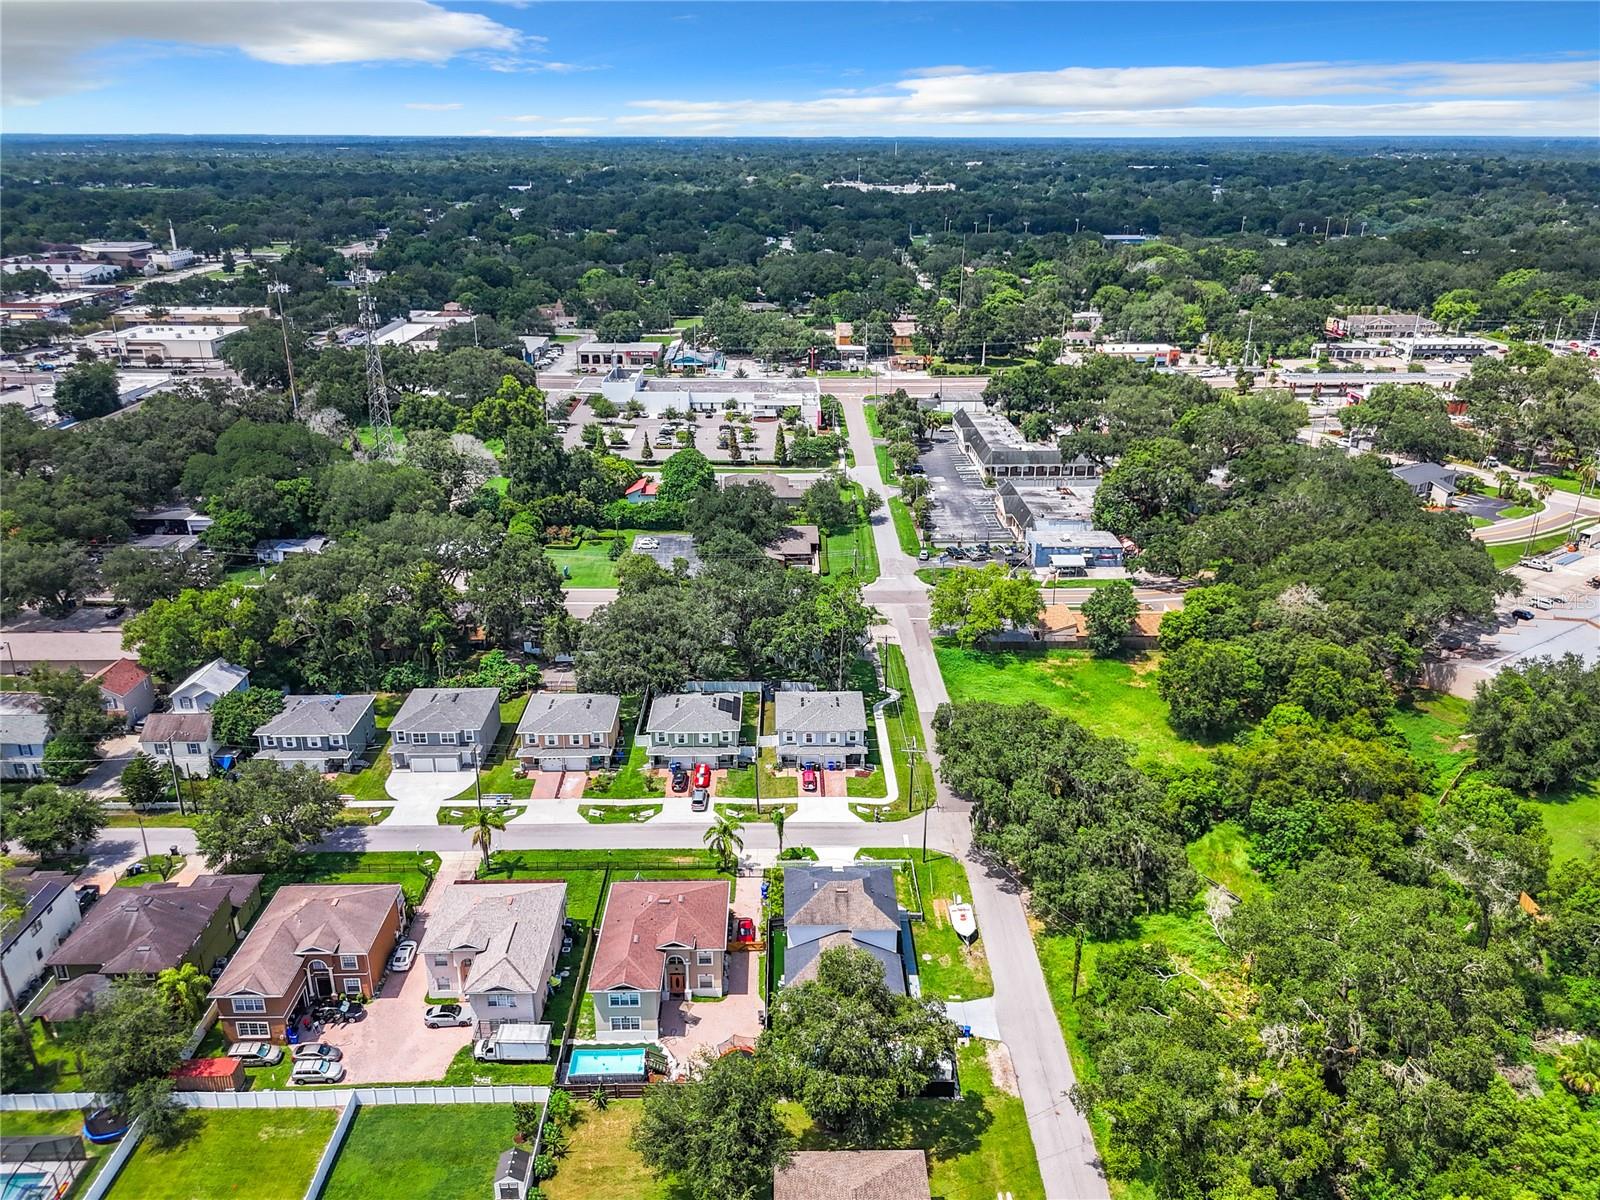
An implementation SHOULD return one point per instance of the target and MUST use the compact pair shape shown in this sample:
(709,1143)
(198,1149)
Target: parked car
(311,1051)
(256,1054)
(1522,614)
(1536,564)
(702,775)
(404,955)
(445,1016)
(87,894)
(1542,602)
(808,779)
(745,930)
(680,782)
(922,555)
(700,801)
(1451,641)
(316,1070)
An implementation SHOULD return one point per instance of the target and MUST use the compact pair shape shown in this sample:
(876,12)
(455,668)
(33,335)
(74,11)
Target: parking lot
(636,431)
(963,508)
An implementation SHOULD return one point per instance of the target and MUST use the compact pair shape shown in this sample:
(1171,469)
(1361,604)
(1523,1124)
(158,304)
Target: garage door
(422,764)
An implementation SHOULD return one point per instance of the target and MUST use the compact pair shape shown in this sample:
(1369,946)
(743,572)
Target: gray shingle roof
(695,712)
(316,715)
(1426,474)
(217,676)
(853,1175)
(445,710)
(509,925)
(819,712)
(568,713)
(22,720)
(140,929)
(800,962)
(848,897)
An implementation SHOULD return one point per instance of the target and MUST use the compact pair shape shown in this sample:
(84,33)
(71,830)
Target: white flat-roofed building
(192,314)
(95,249)
(1341,351)
(64,271)
(163,343)
(754,397)
(420,328)
(602,356)
(1150,352)
(1450,348)
(173,260)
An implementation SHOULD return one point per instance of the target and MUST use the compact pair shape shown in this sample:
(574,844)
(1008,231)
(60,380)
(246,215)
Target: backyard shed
(222,1074)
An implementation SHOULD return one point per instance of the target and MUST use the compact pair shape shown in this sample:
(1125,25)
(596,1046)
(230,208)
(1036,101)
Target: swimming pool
(26,1185)
(591,1062)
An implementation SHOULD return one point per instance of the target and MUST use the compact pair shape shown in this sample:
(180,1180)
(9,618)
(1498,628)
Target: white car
(313,1051)
(445,1016)
(316,1070)
(256,1054)
(404,955)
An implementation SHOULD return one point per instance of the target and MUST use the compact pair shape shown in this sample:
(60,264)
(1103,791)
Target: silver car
(316,1071)
(256,1054)
(313,1051)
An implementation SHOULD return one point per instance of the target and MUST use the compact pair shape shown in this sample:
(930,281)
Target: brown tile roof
(306,918)
(644,915)
(140,929)
(74,998)
(121,677)
(853,1175)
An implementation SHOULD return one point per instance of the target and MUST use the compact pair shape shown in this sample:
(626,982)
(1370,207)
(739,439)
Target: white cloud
(451,107)
(524,117)
(1550,97)
(51,46)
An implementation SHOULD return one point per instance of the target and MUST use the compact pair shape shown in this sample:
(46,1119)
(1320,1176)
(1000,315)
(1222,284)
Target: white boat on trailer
(963,919)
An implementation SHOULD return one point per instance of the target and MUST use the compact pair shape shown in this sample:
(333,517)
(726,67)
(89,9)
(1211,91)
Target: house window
(703,958)
(833,739)
(502,1001)
(336,742)
(625,1022)
(400,736)
(447,739)
(551,739)
(468,735)
(809,738)
(290,743)
(705,983)
(185,702)
(352,986)
(443,985)
(788,739)
(624,999)
(313,743)
(194,747)
(269,740)
(683,739)
(249,1004)
(252,1029)
(596,739)
(349,962)
(705,739)
(441,960)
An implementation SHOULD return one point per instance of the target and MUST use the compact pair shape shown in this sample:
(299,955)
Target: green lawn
(885,466)
(364,432)
(742,782)
(1432,724)
(950,969)
(411,870)
(368,784)
(466,1071)
(589,564)
(632,782)
(1573,819)
(421,1152)
(1563,482)
(56,1069)
(619,814)
(905,528)
(1111,697)
(1512,511)
(1223,854)
(253,1154)
(746,814)
(853,550)
(161,820)
(497,775)
(601,1160)
(1510,553)
(463,815)
(871,413)
(158,868)
(978,1147)
(904,723)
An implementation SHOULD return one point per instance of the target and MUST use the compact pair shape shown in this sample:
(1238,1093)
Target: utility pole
(177,784)
(288,359)
(911,762)
(477,780)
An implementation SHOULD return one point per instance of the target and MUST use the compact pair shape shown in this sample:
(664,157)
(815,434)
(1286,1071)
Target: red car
(747,930)
(808,779)
(702,775)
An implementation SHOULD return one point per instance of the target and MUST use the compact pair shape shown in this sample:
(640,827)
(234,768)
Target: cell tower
(377,390)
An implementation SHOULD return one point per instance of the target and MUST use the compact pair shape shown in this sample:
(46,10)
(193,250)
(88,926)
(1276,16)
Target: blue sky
(906,69)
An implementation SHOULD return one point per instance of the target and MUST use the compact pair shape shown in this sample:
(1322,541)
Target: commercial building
(1022,508)
(68,272)
(757,398)
(193,314)
(1352,386)
(1380,325)
(156,344)
(420,329)
(1160,353)
(602,356)
(50,306)
(998,449)
(1350,351)
(1451,349)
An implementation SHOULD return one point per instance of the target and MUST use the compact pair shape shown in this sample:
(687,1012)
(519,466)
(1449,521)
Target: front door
(677,976)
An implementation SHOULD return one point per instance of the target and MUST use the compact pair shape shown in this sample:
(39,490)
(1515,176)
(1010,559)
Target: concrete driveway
(105,779)
(426,787)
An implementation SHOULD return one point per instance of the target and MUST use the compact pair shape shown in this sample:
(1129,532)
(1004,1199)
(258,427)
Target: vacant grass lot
(1432,724)
(742,782)
(1509,553)
(1110,697)
(253,1154)
(421,1152)
(410,869)
(978,1147)
(602,1162)
(950,969)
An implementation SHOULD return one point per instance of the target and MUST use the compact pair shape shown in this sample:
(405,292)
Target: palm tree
(485,823)
(1588,472)
(779,816)
(184,989)
(1580,1069)
(723,840)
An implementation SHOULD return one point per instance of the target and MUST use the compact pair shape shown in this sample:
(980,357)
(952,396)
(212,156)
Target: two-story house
(208,684)
(186,740)
(821,727)
(49,914)
(493,946)
(568,732)
(312,943)
(126,691)
(444,729)
(697,727)
(854,906)
(24,730)
(661,940)
(321,732)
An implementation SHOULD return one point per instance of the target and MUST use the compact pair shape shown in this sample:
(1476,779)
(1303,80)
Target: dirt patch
(941,910)
(1144,665)
(1001,1068)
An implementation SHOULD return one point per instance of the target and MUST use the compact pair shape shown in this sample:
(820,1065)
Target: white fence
(297,1097)
(115,1161)
(330,1152)
(46,1101)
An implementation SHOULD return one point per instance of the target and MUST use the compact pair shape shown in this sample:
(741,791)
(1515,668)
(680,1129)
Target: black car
(1522,614)
(680,782)
(1450,641)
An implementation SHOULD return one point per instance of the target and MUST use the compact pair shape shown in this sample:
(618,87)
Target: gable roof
(510,926)
(646,485)
(568,712)
(811,712)
(121,677)
(315,715)
(40,888)
(801,962)
(644,915)
(176,727)
(306,918)
(857,897)
(218,677)
(140,929)
(696,712)
(445,710)
(22,719)
(796,541)
(1425,474)
(853,1175)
